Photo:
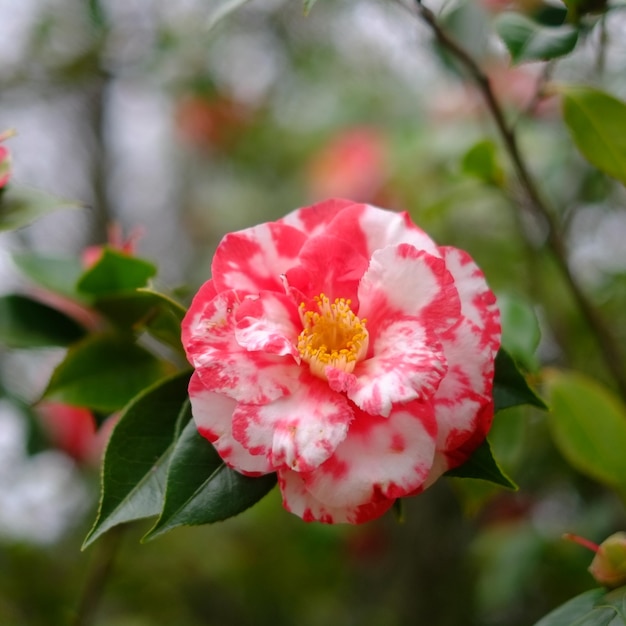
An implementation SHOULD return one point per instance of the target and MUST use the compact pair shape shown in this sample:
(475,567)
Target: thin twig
(555,242)
(97,577)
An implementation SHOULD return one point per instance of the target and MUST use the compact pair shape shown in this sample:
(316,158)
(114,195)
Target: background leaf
(588,424)
(136,458)
(510,387)
(59,275)
(26,323)
(527,40)
(597,123)
(20,206)
(219,9)
(481,161)
(520,330)
(104,372)
(202,489)
(595,607)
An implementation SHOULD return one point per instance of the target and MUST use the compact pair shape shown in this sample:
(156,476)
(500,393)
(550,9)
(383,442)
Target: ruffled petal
(408,363)
(254,259)
(313,219)
(380,457)
(369,228)
(268,323)
(212,413)
(226,367)
(300,431)
(404,281)
(298,500)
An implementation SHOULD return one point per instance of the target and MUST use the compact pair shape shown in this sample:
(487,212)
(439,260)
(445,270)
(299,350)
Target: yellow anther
(332,336)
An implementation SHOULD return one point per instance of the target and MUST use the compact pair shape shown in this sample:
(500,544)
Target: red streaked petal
(299,501)
(212,413)
(408,363)
(300,431)
(313,219)
(254,259)
(380,457)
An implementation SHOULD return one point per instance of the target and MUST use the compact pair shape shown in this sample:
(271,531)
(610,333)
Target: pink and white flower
(343,349)
(5,159)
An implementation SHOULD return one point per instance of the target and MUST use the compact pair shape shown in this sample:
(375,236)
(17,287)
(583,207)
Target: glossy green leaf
(481,161)
(144,309)
(520,330)
(510,387)
(526,40)
(482,465)
(20,206)
(588,424)
(104,372)
(58,275)
(114,273)
(137,455)
(597,123)
(578,8)
(202,489)
(26,323)
(595,607)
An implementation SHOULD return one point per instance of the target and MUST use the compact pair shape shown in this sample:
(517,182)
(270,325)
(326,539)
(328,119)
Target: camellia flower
(343,349)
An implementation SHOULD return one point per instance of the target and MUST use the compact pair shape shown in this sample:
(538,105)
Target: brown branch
(555,242)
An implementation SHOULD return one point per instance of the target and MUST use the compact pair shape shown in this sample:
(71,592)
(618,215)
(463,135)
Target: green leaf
(114,273)
(19,206)
(144,309)
(527,40)
(59,275)
(509,385)
(104,372)
(202,489)
(595,607)
(588,424)
(481,161)
(308,5)
(219,9)
(137,455)
(482,465)
(26,323)
(597,123)
(520,330)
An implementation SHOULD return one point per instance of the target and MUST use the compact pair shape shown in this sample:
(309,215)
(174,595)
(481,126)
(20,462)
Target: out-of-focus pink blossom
(353,164)
(73,430)
(5,159)
(343,349)
(92,254)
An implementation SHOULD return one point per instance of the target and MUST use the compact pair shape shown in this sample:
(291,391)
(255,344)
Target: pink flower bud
(609,564)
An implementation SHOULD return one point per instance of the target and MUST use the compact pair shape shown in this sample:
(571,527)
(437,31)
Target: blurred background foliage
(156,117)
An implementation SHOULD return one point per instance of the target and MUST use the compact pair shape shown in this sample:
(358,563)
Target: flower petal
(254,259)
(212,413)
(408,363)
(380,457)
(300,431)
(268,323)
(369,228)
(223,365)
(402,280)
(298,500)
(313,219)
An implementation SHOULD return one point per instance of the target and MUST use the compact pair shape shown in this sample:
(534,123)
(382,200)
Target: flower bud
(609,564)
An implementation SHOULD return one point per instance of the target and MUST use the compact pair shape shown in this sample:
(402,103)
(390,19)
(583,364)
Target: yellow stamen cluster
(332,336)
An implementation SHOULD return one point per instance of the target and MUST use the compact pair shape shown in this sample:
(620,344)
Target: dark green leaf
(482,465)
(597,123)
(201,489)
(588,424)
(19,206)
(481,161)
(136,458)
(104,372)
(115,273)
(26,323)
(509,385)
(527,40)
(595,607)
(53,274)
(144,309)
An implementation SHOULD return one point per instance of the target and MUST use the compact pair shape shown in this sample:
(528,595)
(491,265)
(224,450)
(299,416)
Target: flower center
(333,336)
